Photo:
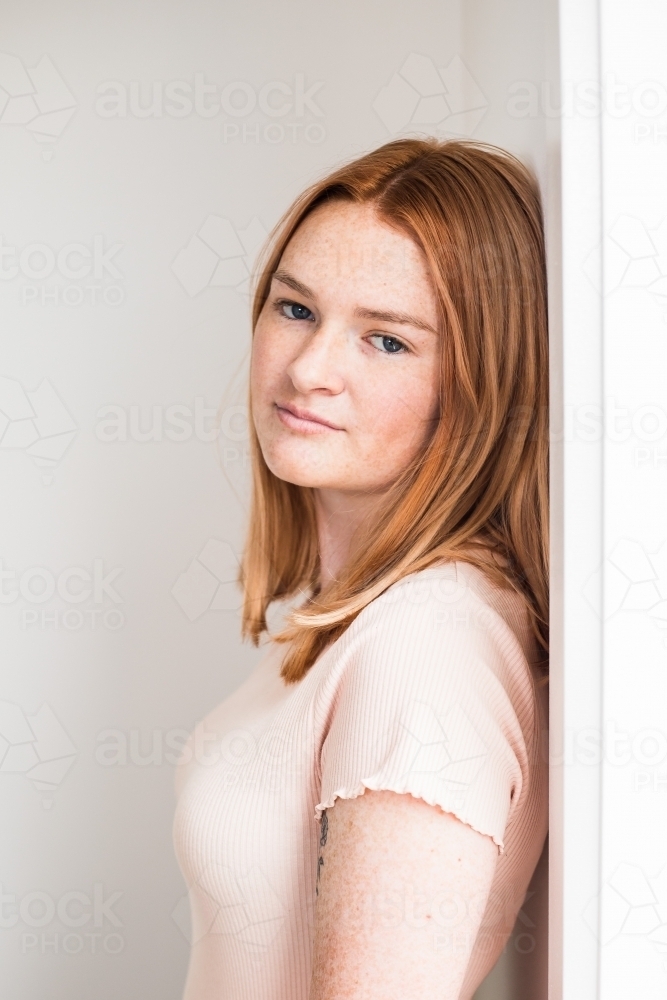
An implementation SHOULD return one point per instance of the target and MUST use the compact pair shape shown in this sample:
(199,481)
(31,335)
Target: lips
(303,420)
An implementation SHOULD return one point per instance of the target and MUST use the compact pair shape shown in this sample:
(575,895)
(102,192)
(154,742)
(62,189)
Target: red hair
(479,491)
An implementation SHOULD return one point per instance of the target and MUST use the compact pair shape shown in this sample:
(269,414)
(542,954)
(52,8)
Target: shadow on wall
(521,971)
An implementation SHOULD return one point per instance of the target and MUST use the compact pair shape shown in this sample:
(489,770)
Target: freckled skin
(393,872)
(384,402)
(401,893)
(345,368)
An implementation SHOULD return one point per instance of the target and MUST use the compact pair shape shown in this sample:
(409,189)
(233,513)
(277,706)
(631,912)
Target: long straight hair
(479,491)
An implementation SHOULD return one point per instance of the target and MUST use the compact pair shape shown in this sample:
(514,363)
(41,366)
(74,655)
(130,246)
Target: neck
(340,516)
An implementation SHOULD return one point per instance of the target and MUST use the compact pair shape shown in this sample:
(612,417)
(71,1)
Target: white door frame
(606,198)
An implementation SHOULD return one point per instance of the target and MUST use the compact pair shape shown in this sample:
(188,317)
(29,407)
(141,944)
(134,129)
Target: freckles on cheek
(264,369)
(406,409)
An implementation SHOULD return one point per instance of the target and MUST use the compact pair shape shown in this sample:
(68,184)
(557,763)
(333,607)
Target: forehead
(347,245)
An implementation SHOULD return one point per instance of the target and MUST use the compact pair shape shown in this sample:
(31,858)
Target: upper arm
(423,762)
(402,888)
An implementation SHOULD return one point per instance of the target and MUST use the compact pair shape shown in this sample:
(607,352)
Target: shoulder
(451,611)
(445,636)
(429,691)
(451,586)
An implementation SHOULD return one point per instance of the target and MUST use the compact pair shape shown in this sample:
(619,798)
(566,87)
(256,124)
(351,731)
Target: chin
(300,469)
(301,480)
(306,480)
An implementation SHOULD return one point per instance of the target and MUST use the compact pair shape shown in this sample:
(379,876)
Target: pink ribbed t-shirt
(429,692)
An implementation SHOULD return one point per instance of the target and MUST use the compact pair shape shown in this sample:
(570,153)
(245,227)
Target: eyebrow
(404,319)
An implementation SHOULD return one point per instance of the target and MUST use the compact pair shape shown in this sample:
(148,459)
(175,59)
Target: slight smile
(303,420)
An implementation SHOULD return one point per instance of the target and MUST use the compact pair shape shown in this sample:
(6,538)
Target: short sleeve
(427,702)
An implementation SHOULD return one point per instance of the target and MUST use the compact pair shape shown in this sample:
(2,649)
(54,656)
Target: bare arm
(401,889)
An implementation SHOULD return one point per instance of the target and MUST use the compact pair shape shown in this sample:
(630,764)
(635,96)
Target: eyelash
(280,303)
(385,336)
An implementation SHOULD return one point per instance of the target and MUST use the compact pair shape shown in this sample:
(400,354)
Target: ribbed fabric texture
(430,692)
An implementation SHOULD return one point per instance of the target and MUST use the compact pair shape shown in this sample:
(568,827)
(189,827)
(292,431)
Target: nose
(319,365)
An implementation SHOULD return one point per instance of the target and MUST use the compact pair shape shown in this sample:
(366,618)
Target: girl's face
(345,360)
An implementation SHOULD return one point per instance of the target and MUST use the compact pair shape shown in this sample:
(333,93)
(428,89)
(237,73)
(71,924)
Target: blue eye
(387,345)
(297,311)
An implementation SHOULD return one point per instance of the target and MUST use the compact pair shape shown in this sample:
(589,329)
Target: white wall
(632,911)
(610,698)
(99,681)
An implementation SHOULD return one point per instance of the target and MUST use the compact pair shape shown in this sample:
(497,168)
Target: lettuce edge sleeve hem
(367,783)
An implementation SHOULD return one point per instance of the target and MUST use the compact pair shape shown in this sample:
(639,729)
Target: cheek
(400,408)
(265,365)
